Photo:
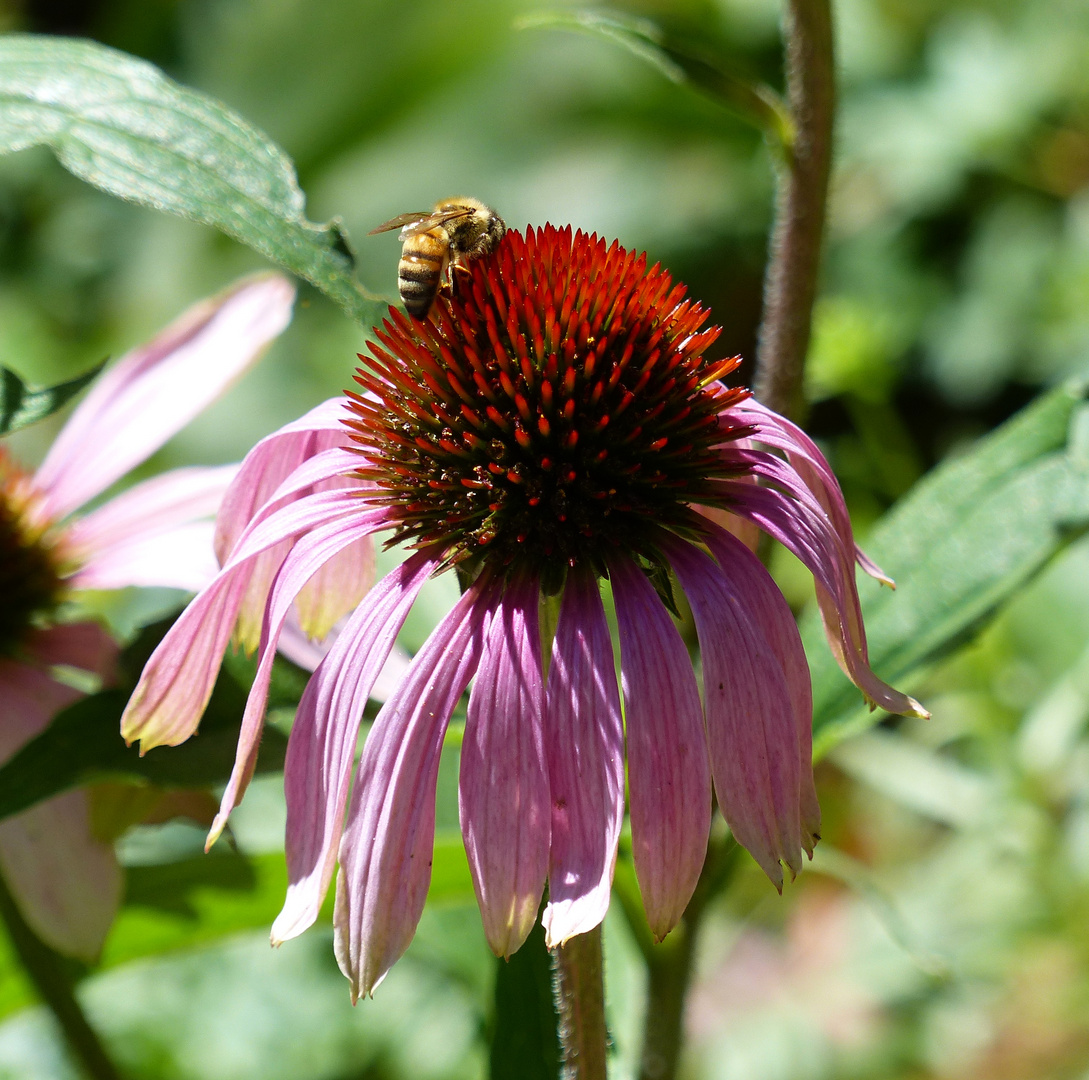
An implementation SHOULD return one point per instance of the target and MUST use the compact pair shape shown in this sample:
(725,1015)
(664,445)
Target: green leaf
(214,896)
(959,545)
(196,901)
(680,62)
(20,406)
(120,124)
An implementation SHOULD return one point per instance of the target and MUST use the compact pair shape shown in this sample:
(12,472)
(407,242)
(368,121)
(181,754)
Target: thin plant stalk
(794,262)
(669,964)
(579,986)
(46,970)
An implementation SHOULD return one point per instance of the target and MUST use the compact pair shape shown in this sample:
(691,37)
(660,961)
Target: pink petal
(271,462)
(178,558)
(66,882)
(318,769)
(154,391)
(336,588)
(177,681)
(812,466)
(751,729)
(86,646)
(130,525)
(316,547)
(385,854)
(760,596)
(503,794)
(29,699)
(584,740)
(669,776)
(320,468)
(807,533)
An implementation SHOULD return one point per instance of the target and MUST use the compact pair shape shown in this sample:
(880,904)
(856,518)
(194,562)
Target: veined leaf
(678,61)
(20,406)
(120,124)
(959,545)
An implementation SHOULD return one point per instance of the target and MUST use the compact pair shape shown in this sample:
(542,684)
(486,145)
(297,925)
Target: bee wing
(402,220)
(433,220)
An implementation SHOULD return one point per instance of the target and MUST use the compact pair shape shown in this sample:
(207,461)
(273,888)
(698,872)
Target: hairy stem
(669,967)
(46,971)
(791,281)
(580,1002)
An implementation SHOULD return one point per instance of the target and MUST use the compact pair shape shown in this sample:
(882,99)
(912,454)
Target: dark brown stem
(791,281)
(47,972)
(580,1002)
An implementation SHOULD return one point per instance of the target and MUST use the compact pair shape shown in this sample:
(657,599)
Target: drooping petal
(336,588)
(584,741)
(761,597)
(271,462)
(808,534)
(750,720)
(298,459)
(812,466)
(318,769)
(155,390)
(306,558)
(299,649)
(177,680)
(385,853)
(146,535)
(669,776)
(503,797)
(66,882)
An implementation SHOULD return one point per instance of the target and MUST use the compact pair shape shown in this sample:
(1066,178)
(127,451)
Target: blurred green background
(943,930)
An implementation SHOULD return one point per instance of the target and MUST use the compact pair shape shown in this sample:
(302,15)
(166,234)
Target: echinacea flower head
(158,532)
(556,422)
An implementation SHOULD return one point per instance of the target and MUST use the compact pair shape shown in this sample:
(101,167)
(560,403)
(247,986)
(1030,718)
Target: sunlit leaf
(20,406)
(679,62)
(959,545)
(120,124)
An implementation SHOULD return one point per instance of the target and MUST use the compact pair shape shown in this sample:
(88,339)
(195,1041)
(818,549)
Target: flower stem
(46,971)
(579,986)
(669,964)
(791,281)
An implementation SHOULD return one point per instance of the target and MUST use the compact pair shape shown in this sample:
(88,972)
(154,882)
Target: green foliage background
(942,929)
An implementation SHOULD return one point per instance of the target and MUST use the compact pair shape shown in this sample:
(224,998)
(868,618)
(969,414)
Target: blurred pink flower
(555,422)
(159,532)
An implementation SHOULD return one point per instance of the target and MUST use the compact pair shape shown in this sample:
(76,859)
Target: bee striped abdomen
(420,270)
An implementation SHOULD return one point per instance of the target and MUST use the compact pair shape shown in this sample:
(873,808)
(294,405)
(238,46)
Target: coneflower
(555,423)
(159,532)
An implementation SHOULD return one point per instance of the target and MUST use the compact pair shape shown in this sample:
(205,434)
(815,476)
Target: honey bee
(457,230)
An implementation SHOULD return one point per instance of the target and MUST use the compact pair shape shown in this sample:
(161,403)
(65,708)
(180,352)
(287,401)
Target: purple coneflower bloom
(554,423)
(158,532)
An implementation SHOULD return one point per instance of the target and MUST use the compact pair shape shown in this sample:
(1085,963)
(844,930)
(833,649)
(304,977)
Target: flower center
(31,577)
(558,406)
